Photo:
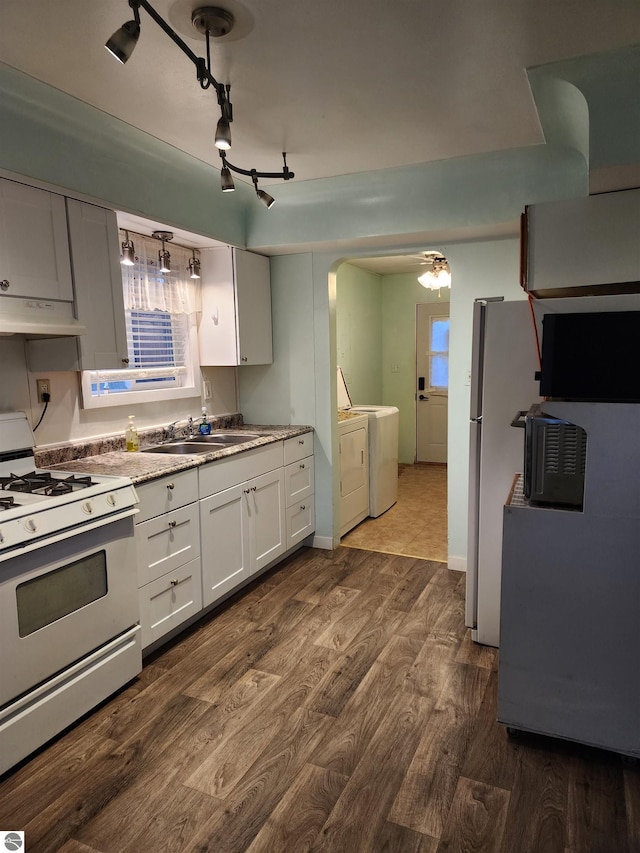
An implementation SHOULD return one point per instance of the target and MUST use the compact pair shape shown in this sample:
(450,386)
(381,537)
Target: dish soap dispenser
(205,426)
(131,435)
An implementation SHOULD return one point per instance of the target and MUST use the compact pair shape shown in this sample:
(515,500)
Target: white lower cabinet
(202,533)
(299,497)
(167,536)
(243,530)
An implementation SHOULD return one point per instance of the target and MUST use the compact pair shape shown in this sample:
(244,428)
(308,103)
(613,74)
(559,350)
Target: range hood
(38,318)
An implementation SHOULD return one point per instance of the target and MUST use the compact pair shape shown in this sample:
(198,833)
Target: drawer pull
(303,507)
(254,488)
(172,523)
(246,491)
(170,486)
(302,466)
(301,441)
(174,582)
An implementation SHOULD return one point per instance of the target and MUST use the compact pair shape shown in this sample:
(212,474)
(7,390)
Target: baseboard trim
(324,542)
(457,564)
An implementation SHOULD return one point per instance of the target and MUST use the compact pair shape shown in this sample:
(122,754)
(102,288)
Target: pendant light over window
(164,257)
(212,22)
(437,273)
(194,266)
(128,258)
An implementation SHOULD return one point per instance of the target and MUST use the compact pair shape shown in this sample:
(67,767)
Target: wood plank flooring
(337,705)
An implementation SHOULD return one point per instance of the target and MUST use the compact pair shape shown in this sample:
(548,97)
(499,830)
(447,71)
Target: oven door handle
(67,533)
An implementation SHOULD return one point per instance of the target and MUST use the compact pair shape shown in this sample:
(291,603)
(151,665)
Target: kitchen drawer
(217,476)
(298,480)
(298,447)
(168,601)
(167,542)
(167,493)
(300,520)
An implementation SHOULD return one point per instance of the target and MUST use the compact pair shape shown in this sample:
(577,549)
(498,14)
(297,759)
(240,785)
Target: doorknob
(422,397)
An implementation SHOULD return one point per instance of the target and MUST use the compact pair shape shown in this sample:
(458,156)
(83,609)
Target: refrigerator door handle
(477,420)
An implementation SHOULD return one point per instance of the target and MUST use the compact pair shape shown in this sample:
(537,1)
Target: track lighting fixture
(128,258)
(265,198)
(164,257)
(437,274)
(194,266)
(212,22)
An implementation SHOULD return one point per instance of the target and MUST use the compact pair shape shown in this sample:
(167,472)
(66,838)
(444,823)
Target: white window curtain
(148,289)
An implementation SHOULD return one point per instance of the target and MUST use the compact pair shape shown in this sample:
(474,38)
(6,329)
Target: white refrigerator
(503,366)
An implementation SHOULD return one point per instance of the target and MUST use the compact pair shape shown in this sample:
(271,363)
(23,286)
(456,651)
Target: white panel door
(253,308)
(353,461)
(432,391)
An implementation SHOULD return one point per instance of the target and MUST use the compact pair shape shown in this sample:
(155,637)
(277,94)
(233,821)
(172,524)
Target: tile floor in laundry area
(416,526)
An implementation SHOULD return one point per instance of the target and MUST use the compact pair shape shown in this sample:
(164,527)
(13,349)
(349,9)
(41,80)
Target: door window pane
(439,355)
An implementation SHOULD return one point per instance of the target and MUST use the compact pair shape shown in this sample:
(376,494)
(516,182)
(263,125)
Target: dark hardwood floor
(335,705)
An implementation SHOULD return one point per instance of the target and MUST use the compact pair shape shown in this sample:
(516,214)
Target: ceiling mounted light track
(212,22)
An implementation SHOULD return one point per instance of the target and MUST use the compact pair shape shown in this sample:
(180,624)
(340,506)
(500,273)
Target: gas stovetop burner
(44,483)
(7,501)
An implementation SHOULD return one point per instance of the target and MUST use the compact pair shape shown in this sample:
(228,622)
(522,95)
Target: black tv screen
(591,356)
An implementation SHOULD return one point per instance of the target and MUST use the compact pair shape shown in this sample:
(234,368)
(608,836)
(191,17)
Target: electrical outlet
(44,387)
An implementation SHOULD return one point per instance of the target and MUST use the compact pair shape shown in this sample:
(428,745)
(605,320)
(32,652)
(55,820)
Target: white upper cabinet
(34,248)
(235,325)
(95,257)
(99,302)
(584,246)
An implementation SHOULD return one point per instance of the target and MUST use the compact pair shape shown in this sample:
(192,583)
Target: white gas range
(69,620)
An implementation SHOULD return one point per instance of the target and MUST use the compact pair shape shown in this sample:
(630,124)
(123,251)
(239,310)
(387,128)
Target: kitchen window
(160,316)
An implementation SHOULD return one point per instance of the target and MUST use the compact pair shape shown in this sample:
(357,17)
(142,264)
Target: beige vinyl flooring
(416,526)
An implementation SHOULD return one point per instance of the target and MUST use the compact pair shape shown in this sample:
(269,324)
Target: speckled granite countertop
(142,467)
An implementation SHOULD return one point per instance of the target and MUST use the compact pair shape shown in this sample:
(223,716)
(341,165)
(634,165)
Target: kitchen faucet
(169,432)
(190,424)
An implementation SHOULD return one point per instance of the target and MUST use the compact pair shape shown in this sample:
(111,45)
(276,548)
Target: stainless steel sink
(184,448)
(226,438)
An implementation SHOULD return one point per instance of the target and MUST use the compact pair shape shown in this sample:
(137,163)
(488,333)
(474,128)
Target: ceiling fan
(435,270)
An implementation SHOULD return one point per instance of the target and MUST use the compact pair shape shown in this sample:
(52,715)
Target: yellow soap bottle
(131,435)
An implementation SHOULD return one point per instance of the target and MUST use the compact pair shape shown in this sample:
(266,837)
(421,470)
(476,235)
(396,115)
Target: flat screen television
(594,356)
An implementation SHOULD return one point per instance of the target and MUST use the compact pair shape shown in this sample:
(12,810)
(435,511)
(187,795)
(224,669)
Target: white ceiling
(343,87)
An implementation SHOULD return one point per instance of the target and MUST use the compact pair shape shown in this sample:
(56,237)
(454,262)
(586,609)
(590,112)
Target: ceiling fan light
(223,134)
(123,41)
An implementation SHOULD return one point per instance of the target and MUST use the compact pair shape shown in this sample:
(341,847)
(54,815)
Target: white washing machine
(383,449)
(383,456)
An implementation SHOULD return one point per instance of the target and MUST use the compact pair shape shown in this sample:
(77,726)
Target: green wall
(359,333)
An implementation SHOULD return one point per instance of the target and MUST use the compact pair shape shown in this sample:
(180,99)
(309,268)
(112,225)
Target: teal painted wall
(49,136)
(359,323)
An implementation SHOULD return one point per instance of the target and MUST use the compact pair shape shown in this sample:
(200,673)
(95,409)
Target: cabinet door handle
(303,507)
(172,523)
(362,457)
(174,582)
(4,284)
(125,361)
(170,486)
(246,491)
(254,488)
(243,358)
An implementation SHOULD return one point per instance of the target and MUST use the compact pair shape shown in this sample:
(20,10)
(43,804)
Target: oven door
(62,601)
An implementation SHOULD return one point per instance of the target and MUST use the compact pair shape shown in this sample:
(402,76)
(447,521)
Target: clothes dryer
(383,456)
